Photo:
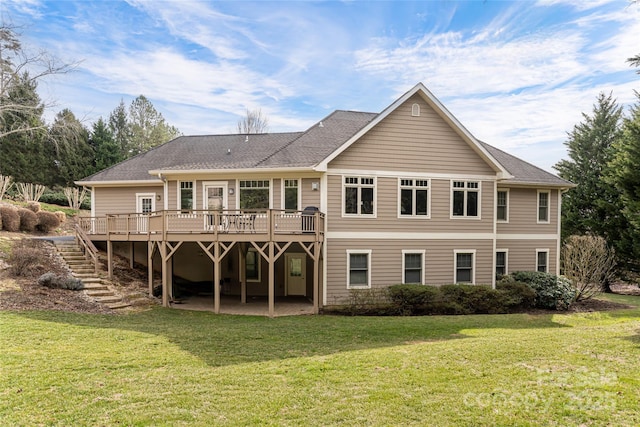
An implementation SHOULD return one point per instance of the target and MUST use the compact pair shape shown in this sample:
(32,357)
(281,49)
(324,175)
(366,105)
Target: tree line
(61,152)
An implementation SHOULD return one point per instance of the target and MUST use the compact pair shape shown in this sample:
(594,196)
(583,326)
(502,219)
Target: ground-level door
(295,274)
(145,204)
(214,199)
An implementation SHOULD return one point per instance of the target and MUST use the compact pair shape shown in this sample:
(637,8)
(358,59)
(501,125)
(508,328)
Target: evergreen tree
(72,154)
(594,206)
(22,153)
(120,129)
(148,126)
(106,149)
(624,175)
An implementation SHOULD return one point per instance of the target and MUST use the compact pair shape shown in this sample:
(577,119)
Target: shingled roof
(296,150)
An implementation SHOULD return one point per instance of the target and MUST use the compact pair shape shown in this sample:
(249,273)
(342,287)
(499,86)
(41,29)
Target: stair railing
(87,246)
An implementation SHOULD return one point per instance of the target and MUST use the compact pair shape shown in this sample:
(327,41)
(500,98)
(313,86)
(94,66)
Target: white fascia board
(520,184)
(252,171)
(441,110)
(119,183)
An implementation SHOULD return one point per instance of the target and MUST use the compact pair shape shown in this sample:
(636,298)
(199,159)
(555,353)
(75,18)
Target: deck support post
(110,259)
(216,277)
(242,273)
(150,249)
(316,277)
(272,298)
(131,255)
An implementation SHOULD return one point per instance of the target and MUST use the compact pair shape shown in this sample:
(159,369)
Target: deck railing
(270,221)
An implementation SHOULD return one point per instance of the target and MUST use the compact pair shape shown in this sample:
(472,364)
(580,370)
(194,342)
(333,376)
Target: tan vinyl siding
(309,196)
(522,253)
(386,262)
(402,142)
(276,194)
(523,212)
(122,200)
(387,210)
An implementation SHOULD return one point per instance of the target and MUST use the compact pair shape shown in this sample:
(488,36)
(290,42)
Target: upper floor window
(358,269)
(465,198)
(502,205)
(186,196)
(254,194)
(542,260)
(291,194)
(464,268)
(414,197)
(543,206)
(359,195)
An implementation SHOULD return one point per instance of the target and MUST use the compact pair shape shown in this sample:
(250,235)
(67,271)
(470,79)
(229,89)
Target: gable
(404,142)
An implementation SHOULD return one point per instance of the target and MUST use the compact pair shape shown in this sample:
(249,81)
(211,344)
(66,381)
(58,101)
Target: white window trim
(282,195)
(152,196)
(429,197)
(539,251)
(452,189)
(194,195)
(375,196)
(368,252)
(473,264)
(225,191)
(421,252)
(548,206)
(502,221)
(506,261)
(259,258)
(237,191)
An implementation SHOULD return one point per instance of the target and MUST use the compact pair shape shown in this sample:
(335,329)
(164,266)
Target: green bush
(52,280)
(552,292)
(28,220)
(412,299)
(10,218)
(516,295)
(47,221)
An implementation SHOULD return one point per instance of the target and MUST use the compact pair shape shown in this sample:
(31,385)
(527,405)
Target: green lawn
(174,367)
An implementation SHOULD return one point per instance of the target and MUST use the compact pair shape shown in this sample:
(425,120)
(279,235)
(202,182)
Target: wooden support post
(110,259)
(131,255)
(165,280)
(150,248)
(316,277)
(272,310)
(241,274)
(216,277)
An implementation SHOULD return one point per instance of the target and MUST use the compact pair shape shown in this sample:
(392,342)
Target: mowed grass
(174,367)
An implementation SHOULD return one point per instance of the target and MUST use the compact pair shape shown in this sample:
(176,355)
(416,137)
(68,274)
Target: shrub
(552,292)
(28,220)
(412,299)
(56,196)
(62,217)
(10,218)
(52,280)
(33,206)
(25,259)
(589,264)
(47,221)
(516,295)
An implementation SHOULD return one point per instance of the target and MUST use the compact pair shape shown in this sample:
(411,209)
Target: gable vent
(415,110)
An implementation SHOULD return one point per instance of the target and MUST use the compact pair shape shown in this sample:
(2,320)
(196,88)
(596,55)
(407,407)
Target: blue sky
(517,74)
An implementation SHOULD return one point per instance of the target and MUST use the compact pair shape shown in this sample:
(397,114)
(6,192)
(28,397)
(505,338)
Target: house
(357,201)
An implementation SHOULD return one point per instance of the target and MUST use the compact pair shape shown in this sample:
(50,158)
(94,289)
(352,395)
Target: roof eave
(119,183)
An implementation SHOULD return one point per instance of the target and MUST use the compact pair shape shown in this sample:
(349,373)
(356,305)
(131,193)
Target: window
(542,260)
(465,198)
(358,195)
(252,271)
(543,206)
(358,269)
(291,195)
(186,196)
(464,266)
(412,262)
(254,194)
(502,200)
(414,197)
(501,264)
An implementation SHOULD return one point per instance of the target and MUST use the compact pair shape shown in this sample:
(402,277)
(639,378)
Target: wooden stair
(94,286)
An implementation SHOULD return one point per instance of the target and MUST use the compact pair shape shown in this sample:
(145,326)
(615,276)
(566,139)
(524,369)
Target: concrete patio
(255,306)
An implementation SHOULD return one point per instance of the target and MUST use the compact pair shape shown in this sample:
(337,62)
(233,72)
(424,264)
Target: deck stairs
(95,286)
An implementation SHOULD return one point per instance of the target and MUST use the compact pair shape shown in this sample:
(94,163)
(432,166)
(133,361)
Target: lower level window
(359,269)
(542,260)
(412,263)
(501,264)
(252,266)
(464,267)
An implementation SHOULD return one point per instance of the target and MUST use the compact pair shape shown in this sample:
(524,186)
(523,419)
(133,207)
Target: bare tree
(253,122)
(588,263)
(16,64)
